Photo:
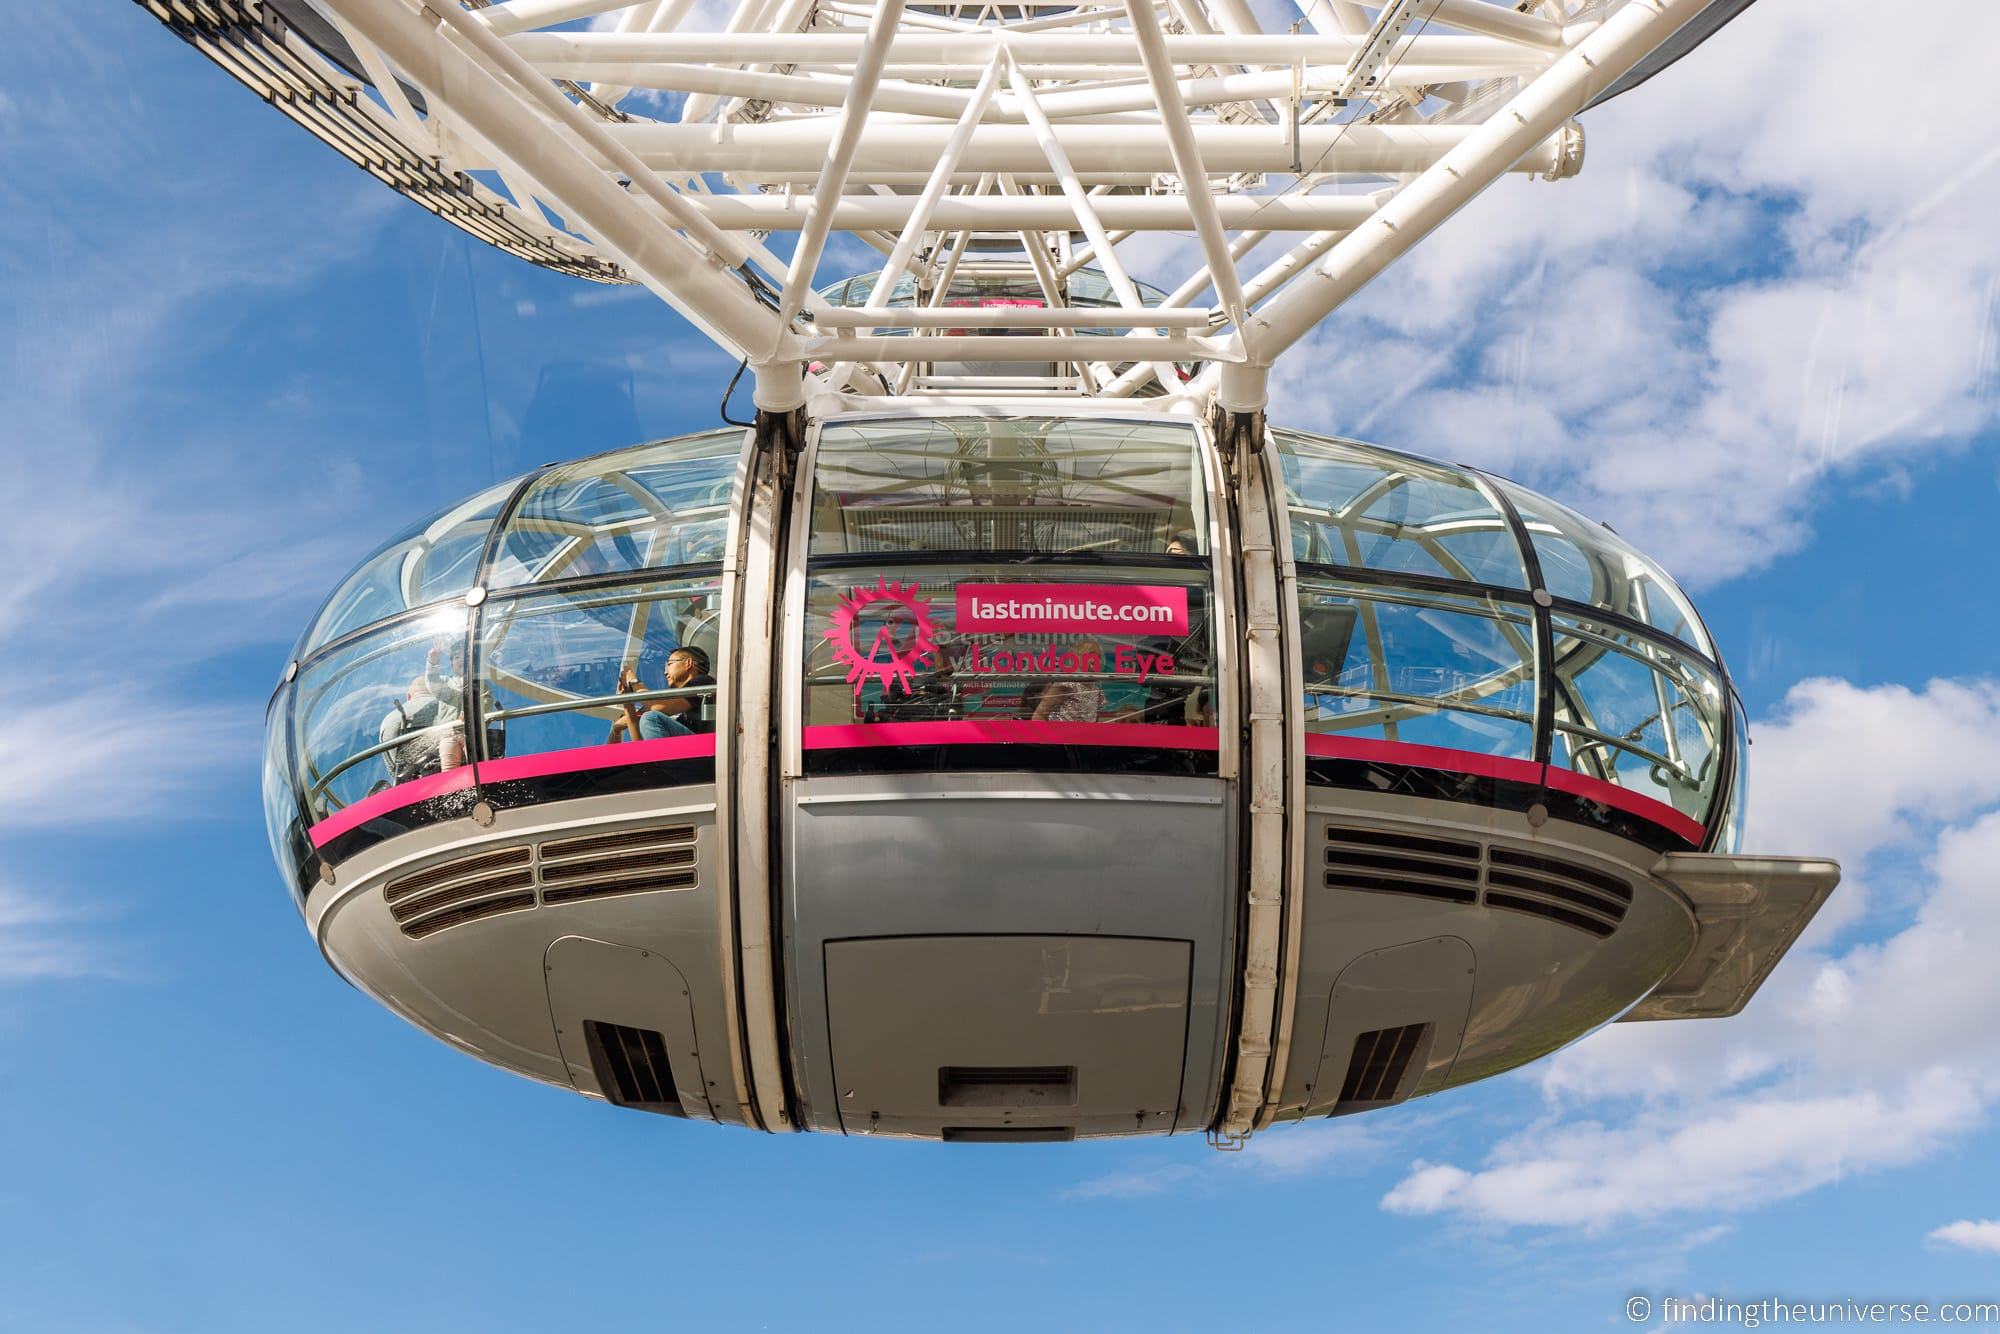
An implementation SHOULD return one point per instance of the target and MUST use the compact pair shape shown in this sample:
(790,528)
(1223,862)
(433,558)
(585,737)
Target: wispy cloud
(1134,1184)
(41,941)
(150,527)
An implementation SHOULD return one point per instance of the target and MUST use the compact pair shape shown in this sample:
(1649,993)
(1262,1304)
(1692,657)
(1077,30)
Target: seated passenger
(1182,544)
(683,715)
(1072,701)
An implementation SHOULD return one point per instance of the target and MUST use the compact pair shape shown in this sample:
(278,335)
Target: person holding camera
(680,715)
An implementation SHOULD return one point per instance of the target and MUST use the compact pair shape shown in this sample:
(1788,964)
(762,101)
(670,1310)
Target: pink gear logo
(887,659)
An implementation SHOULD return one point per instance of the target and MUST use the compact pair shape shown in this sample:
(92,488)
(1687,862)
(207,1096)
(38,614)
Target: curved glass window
(1735,810)
(1635,712)
(382,709)
(383,715)
(597,666)
(1042,486)
(281,799)
(435,559)
(1040,581)
(1396,659)
(1418,667)
(652,508)
(1371,509)
(1587,562)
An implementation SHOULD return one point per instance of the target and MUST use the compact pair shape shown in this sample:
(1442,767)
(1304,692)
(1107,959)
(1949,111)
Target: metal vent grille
(465,889)
(1557,890)
(1380,1061)
(500,880)
(1381,862)
(632,1068)
(632,862)
(453,870)
(1467,872)
(265,46)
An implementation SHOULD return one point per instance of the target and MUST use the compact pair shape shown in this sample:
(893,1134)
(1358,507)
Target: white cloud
(149,528)
(1759,283)
(1737,1155)
(40,941)
(109,756)
(1982,1235)
(1851,1059)
(1349,1144)
(1135,1184)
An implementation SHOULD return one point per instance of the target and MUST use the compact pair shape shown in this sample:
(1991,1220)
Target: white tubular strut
(1593,65)
(972,145)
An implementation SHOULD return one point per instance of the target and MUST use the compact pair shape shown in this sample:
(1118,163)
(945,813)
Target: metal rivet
(326,872)
(474,596)
(1538,815)
(292,669)
(1542,598)
(482,814)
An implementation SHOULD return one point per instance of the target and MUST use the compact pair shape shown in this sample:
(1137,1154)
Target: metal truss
(1027,141)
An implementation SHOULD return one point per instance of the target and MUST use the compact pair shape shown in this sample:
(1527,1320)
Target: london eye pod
(1010,735)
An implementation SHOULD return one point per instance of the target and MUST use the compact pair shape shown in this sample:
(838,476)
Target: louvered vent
(630,862)
(462,890)
(1451,870)
(500,880)
(1381,1060)
(1384,862)
(1559,891)
(632,1068)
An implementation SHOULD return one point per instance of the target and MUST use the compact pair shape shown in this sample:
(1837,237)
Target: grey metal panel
(1539,985)
(1748,912)
(594,981)
(1424,982)
(1110,1013)
(1683,42)
(480,986)
(1010,854)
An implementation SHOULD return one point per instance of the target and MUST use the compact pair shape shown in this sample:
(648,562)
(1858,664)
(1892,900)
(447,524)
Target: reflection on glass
(1038,485)
(1416,667)
(1735,810)
(1637,713)
(561,671)
(893,648)
(383,709)
(435,559)
(1587,562)
(281,804)
(653,508)
(1351,505)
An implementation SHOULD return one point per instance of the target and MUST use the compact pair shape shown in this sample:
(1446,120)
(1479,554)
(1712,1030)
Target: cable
(724,408)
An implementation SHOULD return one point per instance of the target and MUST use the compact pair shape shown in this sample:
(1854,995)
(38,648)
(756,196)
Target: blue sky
(1759,335)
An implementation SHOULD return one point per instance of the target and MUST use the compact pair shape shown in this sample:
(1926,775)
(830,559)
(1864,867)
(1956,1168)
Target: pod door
(1008,870)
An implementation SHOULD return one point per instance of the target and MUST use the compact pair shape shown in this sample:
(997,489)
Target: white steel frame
(1300,163)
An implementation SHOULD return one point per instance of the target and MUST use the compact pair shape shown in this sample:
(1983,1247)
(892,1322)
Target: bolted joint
(1237,433)
(783,434)
(1569,153)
